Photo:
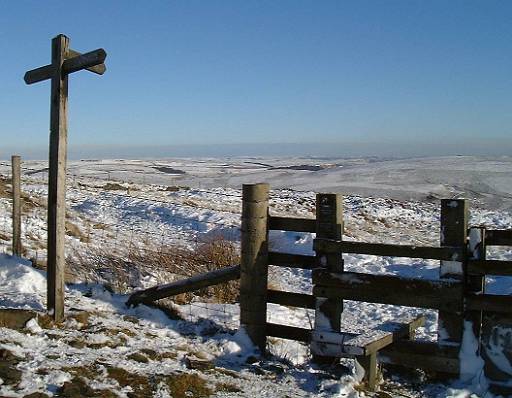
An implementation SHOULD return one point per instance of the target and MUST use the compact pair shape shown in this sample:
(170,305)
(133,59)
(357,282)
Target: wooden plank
(57,180)
(371,370)
(46,72)
(16,205)
(386,289)
(380,249)
(299,300)
(422,355)
(490,303)
(185,285)
(475,283)
(344,344)
(371,341)
(498,237)
(84,61)
(288,332)
(291,260)
(292,224)
(490,267)
(334,350)
(254,262)
(39,74)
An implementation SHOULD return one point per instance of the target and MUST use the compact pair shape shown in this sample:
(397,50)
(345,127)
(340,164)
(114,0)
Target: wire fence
(123,222)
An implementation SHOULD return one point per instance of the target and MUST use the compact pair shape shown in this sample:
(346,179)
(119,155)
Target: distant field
(486,181)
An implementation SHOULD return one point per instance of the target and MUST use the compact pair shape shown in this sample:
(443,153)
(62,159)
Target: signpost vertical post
(64,62)
(57,179)
(16,204)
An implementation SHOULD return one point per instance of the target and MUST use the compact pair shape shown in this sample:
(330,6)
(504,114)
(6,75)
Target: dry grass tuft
(74,231)
(113,186)
(9,373)
(227,388)
(5,187)
(188,385)
(141,385)
(77,387)
(104,266)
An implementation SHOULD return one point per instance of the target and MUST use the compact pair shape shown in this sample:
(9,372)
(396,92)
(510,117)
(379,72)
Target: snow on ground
(114,209)
(102,339)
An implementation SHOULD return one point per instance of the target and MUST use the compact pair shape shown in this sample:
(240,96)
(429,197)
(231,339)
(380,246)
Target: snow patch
(21,286)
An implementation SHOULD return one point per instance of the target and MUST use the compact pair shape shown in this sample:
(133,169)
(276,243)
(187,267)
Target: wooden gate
(458,294)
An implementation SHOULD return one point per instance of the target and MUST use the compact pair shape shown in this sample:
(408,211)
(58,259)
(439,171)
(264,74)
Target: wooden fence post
(475,283)
(454,225)
(254,262)
(329,225)
(16,204)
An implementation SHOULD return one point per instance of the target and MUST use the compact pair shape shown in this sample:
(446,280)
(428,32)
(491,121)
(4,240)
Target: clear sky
(373,77)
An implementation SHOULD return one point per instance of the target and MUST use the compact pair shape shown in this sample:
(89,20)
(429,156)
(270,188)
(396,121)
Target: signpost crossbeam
(84,61)
(74,61)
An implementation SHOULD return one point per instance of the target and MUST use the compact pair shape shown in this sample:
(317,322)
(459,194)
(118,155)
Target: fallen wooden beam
(185,285)
(379,249)
(385,289)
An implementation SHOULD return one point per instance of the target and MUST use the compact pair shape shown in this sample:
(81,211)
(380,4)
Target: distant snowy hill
(483,179)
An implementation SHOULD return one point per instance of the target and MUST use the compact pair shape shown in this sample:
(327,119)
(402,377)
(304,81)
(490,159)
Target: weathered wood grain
(254,262)
(498,237)
(57,180)
(84,61)
(16,205)
(441,294)
(299,300)
(288,332)
(490,267)
(46,72)
(422,355)
(489,303)
(454,227)
(380,249)
(329,225)
(292,224)
(291,260)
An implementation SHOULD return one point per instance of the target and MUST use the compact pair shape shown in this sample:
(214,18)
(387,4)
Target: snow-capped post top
(64,62)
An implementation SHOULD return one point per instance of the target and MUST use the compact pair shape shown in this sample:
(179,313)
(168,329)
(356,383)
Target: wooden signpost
(16,204)
(64,62)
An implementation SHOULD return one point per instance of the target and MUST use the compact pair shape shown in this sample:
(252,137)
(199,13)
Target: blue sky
(372,77)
